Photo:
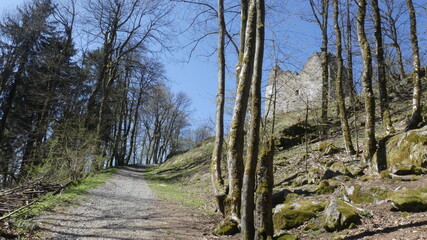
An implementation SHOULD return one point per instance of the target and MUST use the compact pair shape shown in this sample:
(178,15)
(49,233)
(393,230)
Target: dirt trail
(124,208)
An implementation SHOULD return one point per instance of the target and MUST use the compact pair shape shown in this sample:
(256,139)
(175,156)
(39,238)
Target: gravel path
(122,208)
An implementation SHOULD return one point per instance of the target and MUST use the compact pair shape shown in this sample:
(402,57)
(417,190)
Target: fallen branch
(17,210)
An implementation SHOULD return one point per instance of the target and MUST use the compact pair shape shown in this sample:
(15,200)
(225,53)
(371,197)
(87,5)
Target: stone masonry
(296,91)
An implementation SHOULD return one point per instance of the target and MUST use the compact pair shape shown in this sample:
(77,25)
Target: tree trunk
(216,174)
(416,117)
(382,81)
(369,141)
(349,50)
(325,72)
(339,89)
(264,191)
(248,204)
(236,135)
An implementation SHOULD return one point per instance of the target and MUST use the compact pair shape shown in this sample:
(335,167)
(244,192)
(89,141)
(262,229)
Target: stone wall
(296,91)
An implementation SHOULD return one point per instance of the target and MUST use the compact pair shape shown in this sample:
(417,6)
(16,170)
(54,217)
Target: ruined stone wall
(296,91)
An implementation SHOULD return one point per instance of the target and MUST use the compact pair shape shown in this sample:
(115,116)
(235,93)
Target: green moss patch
(339,216)
(326,187)
(406,148)
(287,236)
(409,200)
(359,195)
(296,214)
(227,227)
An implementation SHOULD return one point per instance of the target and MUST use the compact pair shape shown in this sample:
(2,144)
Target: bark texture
(248,204)
(381,69)
(264,191)
(339,88)
(369,146)
(236,135)
(416,117)
(216,174)
(325,72)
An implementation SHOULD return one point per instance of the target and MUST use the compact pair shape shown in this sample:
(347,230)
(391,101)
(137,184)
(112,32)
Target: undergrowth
(66,197)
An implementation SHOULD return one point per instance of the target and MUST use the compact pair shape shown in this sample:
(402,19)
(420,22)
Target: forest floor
(125,207)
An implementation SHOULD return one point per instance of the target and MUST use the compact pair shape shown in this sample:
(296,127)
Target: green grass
(67,197)
(184,179)
(169,189)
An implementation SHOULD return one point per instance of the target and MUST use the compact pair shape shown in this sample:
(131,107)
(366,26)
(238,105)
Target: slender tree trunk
(325,72)
(382,81)
(216,174)
(416,117)
(339,89)
(236,135)
(352,90)
(369,142)
(400,60)
(248,204)
(264,192)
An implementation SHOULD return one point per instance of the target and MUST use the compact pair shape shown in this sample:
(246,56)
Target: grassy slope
(185,177)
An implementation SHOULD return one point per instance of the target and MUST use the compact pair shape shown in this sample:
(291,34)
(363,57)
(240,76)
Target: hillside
(311,174)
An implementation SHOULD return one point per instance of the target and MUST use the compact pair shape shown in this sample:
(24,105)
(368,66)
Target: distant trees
(392,15)
(164,117)
(57,99)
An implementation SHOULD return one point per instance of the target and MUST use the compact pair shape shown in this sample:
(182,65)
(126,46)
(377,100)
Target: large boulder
(336,169)
(409,200)
(361,195)
(287,216)
(340,215)
(402,152)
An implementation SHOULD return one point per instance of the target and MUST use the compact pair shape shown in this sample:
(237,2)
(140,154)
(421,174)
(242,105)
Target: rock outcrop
(404,153)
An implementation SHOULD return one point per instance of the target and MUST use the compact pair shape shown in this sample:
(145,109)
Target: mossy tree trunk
(416,117)
(339,88)
(216,174)
(369,146)
(248,204)
(381,69)
(264,191)
(236,134)
(349,51)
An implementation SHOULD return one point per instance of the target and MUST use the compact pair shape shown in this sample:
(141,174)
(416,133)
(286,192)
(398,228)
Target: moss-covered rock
(360,195)
(227,227)
(357,169)
(293,215)
(409,200)
(340,215)
(286,236)
(327,148)
(405,148)
(336,169)
(340,167)
(326,186)
(405,169)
